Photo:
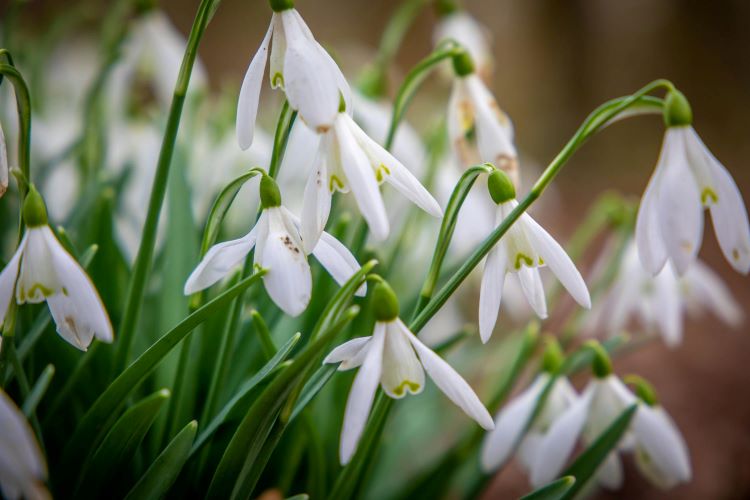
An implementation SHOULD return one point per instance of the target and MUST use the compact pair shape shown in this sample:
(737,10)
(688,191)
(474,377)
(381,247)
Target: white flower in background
(659,303)
(23,469)
(511,421)
(279,249)
(522,250)
(349,159)
(687,179)
(396,359)
(479,131)
(310,78)
(42,269)
(460,26)
(3,164)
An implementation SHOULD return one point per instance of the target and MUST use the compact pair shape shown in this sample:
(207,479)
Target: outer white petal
(348,353)
(219,261)
(402,371)
(533,289)
(247,104)
(337,260)
(77,309)
(3,164)
(491,291)
(499,443)
(560,440)
(361,395)
(361,179)
(705,288)
(8,279)
(558,261)
(288,280)
(22,466)
(610,473)
(37,278)
(661,451)
(450,382)
(316,201)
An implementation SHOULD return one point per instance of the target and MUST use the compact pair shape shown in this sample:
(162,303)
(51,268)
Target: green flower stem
(284,126)
(264,335)
(23,384)
(23,106)
(143,260)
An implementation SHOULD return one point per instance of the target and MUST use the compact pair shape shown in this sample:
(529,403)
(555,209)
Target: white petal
(316,201)
(219,261)
(337,260)
(361,179)
(499,443)
(668,307)
(490,294)
(8,279)
(610,474)
(247,104)
(348,353)
(402,371)
(288,280)
(705,288)
(661,451)
(278,51)
(533,289)
(558,261)
(361,395)
(3,164)
(37,278)
(450,382)
(77,309)
(560,440)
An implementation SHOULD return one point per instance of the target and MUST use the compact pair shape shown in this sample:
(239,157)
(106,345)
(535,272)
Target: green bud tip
(501,187)
(385,302)
(463,64)
(553,356)
(677,111)
(643,389)
(601,365)
(281,5)
(270,196)
(445,7)
(34,211)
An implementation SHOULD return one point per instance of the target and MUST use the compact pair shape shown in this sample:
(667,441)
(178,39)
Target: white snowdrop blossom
(41,269)
(464,28)
(279,249)
(394,358)
(348,159)
(23,469)
(512,419)
(659,303)
(3,164)
(522,250)
(310,78)
(687,179)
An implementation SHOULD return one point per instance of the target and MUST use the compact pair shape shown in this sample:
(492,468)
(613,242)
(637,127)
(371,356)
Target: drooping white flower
(279,249)
(41,269)
(659,303)
(312,81)
(462,27)
(23,469)
(348,159)
(687,179)
(522,250)
(394,358)
(3,164)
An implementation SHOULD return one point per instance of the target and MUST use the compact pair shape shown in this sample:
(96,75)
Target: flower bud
(270,196)
(281,5)
(463,64)
(34,211)
(445,7)
(601,365)
(677,112)
(385,302)
(553,356)
(500,187)
(643,389)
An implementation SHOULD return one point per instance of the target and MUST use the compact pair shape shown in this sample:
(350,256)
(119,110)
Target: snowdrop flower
(396,359)
(23,470)
(312,81)
(522,250)
(687,179)
(3,164)
(348,159)
(279,249)
(42,269)
(602,401)
(511,421)
(457,24)
(659,302)
(479,130)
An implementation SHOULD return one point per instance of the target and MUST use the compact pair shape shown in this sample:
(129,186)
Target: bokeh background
(555,62)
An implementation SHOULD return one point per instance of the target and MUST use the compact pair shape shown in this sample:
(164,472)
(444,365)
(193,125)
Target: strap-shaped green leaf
(555,490)
(166,467)
(313,386)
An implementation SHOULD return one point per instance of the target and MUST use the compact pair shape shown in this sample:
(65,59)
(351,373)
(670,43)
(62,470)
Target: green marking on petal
(413,387)
(709,193)
(335,183)
(522,259)
(277,80)
(31,292)
(379,172)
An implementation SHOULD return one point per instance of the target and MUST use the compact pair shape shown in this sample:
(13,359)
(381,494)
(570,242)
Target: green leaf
(119,446)
(589,461)
(95,422)
(38,391)
(555,490)
(164,470)
(313,386)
